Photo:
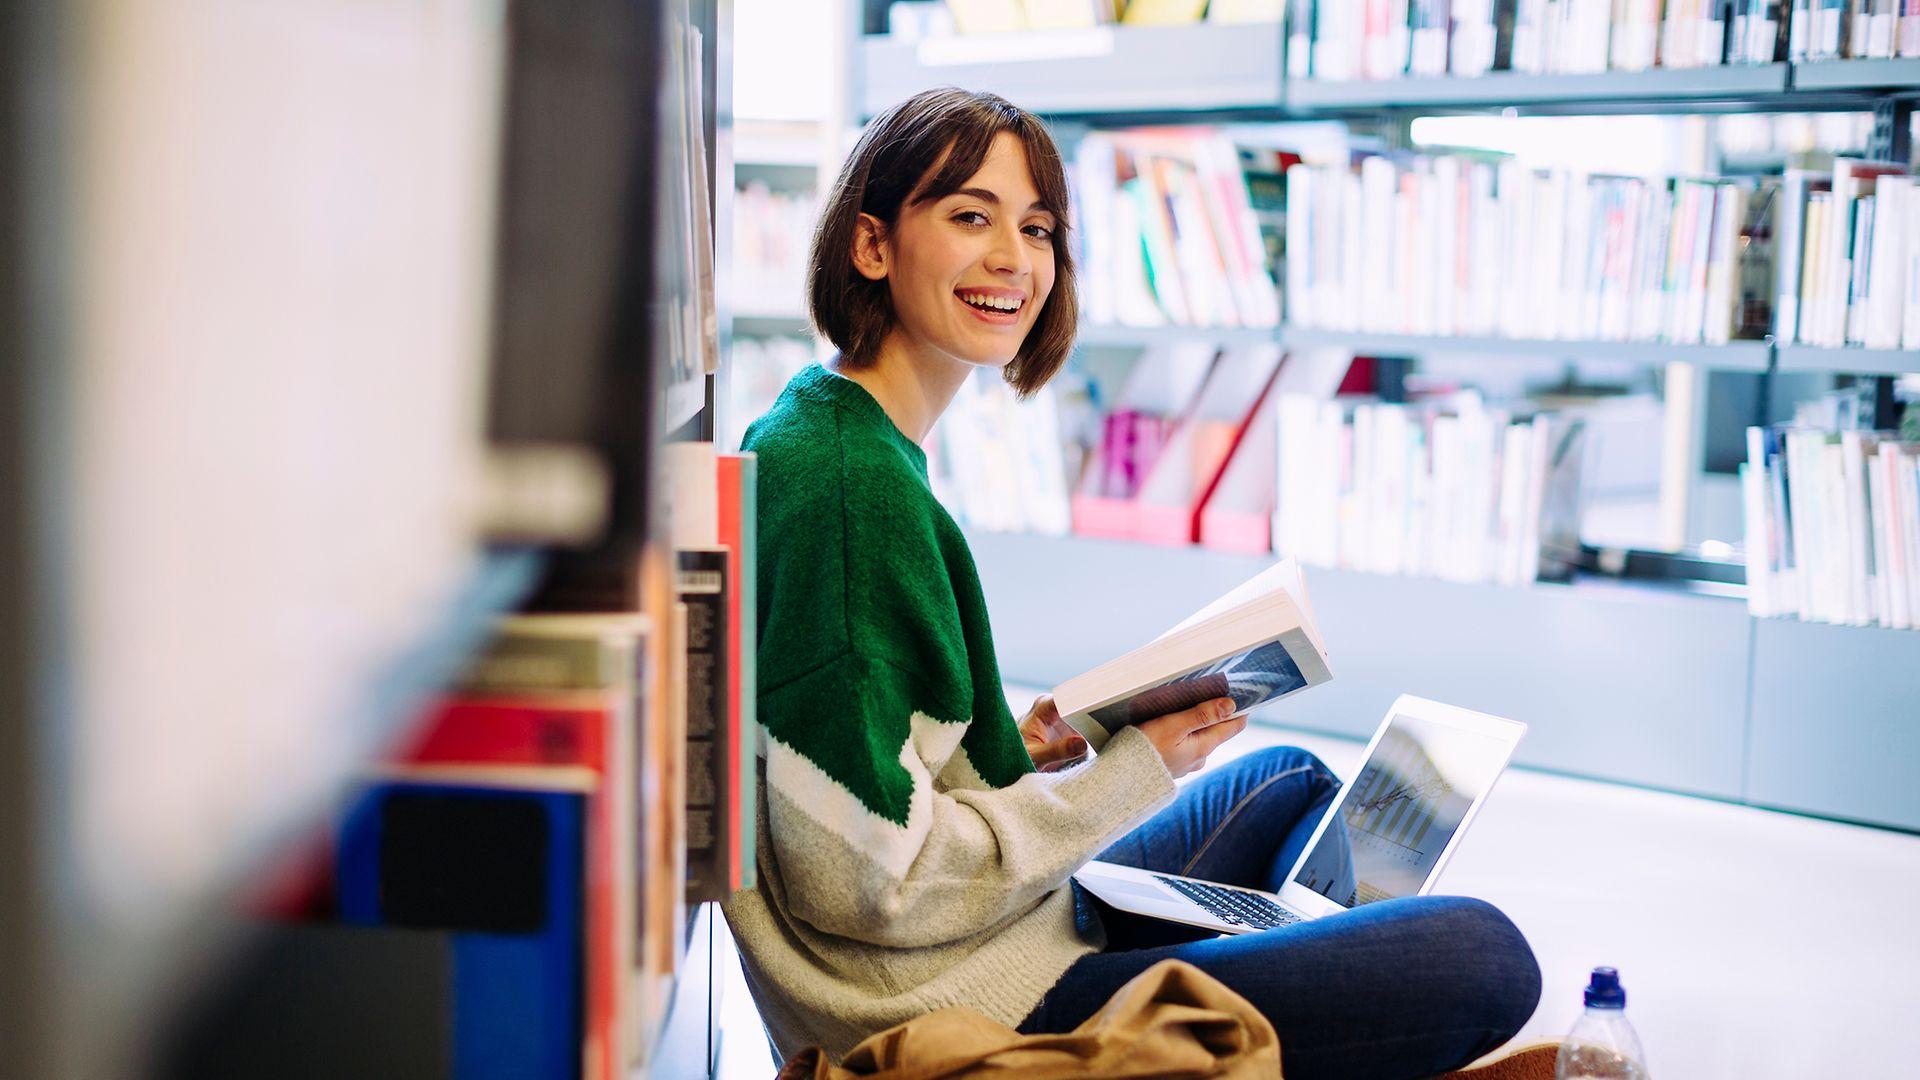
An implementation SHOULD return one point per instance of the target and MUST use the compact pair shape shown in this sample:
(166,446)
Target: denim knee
(1499,977)
(1274,760)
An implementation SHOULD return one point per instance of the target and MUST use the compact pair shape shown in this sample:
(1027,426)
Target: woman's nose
(1008,254)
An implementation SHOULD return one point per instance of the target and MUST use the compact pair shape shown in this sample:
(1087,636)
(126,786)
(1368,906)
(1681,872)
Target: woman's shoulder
(811,454)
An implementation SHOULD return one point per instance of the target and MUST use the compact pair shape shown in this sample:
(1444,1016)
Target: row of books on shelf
(558,807)
(1387,39)
(1248,450)
(1849,256)
(1456,244)
(771,233)
(1833,521)
(1011,16)
(1175,230)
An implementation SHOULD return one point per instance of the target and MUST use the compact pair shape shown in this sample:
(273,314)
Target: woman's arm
(867,848)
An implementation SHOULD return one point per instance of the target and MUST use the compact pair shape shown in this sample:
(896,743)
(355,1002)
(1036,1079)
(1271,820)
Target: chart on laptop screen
(1404,807)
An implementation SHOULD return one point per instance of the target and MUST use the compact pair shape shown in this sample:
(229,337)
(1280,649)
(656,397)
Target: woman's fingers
(1058,752)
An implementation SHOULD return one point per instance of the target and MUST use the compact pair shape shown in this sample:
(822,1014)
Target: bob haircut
(891,167)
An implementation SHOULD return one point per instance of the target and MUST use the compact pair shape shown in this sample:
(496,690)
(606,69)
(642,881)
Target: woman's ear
(870,247)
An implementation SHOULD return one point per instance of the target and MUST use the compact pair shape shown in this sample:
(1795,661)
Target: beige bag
(1171,1020)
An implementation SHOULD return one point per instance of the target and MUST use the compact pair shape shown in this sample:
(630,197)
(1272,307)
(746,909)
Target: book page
(1283,575)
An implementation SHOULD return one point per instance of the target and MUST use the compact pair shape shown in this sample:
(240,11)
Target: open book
(1256,643)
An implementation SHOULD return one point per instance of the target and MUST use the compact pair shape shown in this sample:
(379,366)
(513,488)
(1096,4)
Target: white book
(1446,252)
(1650,301)
(1514,468)
(1256,644)
(1838,541)
(1804,519)
(1576,259)
(1549,248)
(1910,305)
(1854,450)
(1887,276)
(1539,453)
(1753,503)
(1879,498)
(1789,246)
(1906,479)
(1516,188)
(1379,182)
(1300,254)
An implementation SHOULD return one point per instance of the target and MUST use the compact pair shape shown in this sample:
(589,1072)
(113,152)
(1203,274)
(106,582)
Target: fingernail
(1078,746)
(1223,708)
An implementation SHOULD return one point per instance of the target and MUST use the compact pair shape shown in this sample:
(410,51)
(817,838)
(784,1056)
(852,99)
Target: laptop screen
(1391,825)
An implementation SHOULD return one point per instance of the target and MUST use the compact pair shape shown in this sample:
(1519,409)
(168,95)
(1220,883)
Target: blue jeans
(1399,988)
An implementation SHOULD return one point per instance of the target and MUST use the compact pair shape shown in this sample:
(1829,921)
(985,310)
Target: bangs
(969,149)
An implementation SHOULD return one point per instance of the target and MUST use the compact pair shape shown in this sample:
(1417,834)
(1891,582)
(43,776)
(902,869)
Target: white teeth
(994,302)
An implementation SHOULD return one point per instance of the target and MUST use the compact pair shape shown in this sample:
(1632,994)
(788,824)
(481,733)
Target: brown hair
(895,153)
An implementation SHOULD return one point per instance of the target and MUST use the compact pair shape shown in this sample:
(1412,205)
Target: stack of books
(1169,233)
(1471,245)
(556,810)
(1849,256)
(1467,493)
(1832,521)
(1388,39)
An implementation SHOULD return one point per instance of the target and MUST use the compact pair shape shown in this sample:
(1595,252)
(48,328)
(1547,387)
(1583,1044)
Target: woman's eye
(971,217)
(1039,232)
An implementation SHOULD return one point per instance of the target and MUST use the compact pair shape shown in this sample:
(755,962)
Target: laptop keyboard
(1231,905)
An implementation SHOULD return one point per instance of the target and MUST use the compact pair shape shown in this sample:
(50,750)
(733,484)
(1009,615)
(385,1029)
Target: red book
(738,507)
(564,728)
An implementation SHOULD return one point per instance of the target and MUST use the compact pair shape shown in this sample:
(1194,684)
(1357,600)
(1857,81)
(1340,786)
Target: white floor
(1752,944)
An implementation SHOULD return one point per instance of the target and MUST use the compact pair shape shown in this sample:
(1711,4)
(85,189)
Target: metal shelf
(1900,74)
(771,324)
(1101,335)
(1725,84)
(1732,356)
(1117,71)
(1848,361)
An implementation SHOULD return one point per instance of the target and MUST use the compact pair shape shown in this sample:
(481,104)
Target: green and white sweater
(910,856)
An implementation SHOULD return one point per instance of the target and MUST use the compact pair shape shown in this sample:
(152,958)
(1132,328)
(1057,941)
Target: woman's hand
(1184,739)
(1051,742)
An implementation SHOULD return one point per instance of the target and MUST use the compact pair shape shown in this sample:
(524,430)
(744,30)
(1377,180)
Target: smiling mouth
(992,308)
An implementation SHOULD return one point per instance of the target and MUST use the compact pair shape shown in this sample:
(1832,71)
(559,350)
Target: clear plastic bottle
(1602,1045)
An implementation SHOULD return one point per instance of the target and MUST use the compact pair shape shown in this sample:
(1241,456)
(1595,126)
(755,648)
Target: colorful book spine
(502,870)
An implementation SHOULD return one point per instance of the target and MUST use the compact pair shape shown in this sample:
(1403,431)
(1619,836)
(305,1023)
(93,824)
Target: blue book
(502,870)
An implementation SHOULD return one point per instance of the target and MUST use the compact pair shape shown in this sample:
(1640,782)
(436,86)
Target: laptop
(1424,776)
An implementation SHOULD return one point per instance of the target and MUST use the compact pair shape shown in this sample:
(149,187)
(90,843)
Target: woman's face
(969,272)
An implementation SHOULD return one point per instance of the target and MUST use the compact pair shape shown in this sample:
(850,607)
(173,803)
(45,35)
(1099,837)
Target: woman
(918,844)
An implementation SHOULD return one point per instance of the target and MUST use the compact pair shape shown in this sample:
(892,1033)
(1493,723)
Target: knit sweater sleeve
(883,833)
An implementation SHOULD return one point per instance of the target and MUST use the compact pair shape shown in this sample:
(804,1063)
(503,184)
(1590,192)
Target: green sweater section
(909,857)
(870,604)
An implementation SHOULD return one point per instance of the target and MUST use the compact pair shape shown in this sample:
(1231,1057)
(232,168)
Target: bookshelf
(217,460)
(1847,361)
(1749,356)
(1199,70)
(1651,685)
(1654,686)
(1726,87)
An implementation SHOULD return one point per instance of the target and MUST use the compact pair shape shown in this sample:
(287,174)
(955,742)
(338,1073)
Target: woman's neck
(912,386)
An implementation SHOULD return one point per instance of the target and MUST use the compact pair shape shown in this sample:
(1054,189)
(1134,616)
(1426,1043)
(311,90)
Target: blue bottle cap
(1603,990)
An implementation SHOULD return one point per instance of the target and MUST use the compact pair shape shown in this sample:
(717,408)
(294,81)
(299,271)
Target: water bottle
(1602,1045)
